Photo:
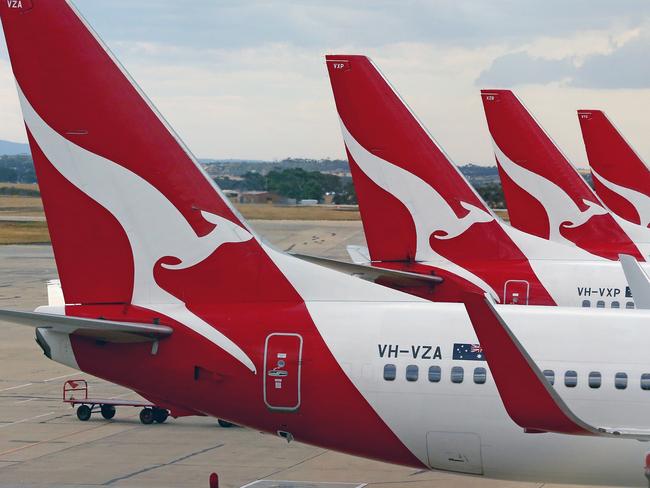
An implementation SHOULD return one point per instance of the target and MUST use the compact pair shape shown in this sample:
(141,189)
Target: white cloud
(274,100)
(247,79)
(12,127)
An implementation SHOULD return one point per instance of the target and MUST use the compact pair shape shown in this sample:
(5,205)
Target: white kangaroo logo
(640,201)
(154,226)
(431,213)
(560,209)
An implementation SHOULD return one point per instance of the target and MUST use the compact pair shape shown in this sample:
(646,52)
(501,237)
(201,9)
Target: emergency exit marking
(282,364)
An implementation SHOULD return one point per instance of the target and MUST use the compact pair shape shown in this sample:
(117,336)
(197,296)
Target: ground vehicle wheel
(108,411)
(146,416)
(225,424)
(160,415)
(83,412)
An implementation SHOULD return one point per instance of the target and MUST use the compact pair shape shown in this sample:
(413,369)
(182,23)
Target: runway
(42,444)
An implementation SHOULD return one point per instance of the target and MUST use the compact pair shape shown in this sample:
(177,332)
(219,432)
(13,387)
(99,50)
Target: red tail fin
(127,205)
(621,178)
(376,120)
(545,195)
(415,203)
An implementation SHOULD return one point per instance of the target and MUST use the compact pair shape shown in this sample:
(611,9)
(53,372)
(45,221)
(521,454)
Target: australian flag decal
(468,352)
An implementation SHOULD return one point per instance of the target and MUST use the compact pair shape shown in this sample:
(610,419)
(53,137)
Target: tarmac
(42,444)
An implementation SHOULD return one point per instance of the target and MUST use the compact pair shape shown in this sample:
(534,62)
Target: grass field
(316,212)
(23,233)
(35,232)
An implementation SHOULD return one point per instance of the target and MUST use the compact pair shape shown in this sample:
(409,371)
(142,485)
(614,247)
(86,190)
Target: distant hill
(8,148)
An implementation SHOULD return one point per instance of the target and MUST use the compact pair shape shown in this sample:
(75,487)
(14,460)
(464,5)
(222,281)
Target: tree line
(17,169)
(290,180)
(299,184)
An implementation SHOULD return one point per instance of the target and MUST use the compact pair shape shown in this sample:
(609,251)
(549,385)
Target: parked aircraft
(544,193)
(621,178)
(169,292)
(421,215)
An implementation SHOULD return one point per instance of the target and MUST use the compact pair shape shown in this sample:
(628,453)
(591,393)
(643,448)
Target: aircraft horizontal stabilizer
(637,279)
(387,277)
(104,330)
(530,400)
(358,254)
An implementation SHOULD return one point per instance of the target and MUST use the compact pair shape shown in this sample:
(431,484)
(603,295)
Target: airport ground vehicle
(75,392)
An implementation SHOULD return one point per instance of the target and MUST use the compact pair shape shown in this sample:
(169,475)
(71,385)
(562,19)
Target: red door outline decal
(282,370)
(515,292)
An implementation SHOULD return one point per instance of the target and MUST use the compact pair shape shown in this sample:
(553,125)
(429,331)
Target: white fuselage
(464,426)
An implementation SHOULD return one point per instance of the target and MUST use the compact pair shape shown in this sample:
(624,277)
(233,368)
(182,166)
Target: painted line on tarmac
(161,465)
(25,401)
(26,420)
(64,436)
(16,387)
(60,377)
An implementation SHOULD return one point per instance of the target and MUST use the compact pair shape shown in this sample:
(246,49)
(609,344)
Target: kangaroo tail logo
(475,216)
(638,200)
(431,213)
(560,208)
(155,228)
(592,209)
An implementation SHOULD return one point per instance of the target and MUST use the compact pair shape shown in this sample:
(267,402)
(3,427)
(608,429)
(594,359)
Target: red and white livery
(544,193)
(422,216)
(621,178)
(170,293)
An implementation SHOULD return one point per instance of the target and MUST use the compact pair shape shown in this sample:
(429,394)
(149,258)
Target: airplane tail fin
(621,178)
(545,194)
(415,204)
(401,175)
(140,232)
(132,216)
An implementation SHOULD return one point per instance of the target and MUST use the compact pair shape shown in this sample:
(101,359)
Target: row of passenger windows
(594,379)
(601,304)
(435,373)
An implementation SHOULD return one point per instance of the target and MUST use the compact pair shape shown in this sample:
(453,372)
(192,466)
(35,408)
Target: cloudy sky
(246,79)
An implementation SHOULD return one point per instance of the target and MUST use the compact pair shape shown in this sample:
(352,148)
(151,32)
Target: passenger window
(550,375)
(570,379)
(620,381)
(390,372)
(616,305)
(480,375)
(629,304)
(411,372)
(645,381)
(457,374)
(595,379)
(600,304)
(434,374)
(586,303)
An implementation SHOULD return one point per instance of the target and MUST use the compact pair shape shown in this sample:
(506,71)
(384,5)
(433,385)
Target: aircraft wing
(531,402)
(637,279)
(104,330)
(387,277)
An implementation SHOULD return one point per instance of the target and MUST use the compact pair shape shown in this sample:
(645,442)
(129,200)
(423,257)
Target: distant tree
(17,169)
(492,193)
(8,175)
(226,183)
(348,195)
(253,181)
(300,184)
